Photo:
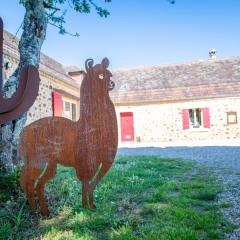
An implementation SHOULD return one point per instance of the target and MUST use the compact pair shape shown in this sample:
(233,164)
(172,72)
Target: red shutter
(185,118)
(57,104)
(206,117)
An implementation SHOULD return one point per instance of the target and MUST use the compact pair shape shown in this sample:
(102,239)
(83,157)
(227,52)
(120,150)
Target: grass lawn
(140,198)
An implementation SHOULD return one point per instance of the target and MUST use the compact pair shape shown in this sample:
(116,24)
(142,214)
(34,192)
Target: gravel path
(225,162)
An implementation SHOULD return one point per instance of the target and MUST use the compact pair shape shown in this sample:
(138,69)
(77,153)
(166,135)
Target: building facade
(59,92)
(198,101)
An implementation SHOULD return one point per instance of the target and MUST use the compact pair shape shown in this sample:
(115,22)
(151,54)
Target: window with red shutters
(206,117)
(196,118)
(185,118)
(57,104)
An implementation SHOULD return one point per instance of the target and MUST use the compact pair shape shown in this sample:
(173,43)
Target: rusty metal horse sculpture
(89,145)
(26,93)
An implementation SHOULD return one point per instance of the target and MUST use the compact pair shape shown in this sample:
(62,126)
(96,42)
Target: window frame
(69,111)
(187,119)
(191,126)
(74,111)
(67,106)
(232,113)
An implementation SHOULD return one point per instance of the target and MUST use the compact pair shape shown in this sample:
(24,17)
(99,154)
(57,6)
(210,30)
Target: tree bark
(34,31)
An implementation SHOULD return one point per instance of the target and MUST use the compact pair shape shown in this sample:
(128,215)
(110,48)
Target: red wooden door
(57,104)
(127,126)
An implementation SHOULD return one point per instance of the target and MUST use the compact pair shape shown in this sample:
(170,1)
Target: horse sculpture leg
(30,195)
(88,189)
(27,180)
(100,175)
(85,189)
(49,173)
(91,198)
(87,196)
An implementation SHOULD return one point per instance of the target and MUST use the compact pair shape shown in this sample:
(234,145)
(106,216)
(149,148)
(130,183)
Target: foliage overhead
(57,9)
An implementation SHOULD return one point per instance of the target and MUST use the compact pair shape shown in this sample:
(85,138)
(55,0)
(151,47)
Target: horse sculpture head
(99,74)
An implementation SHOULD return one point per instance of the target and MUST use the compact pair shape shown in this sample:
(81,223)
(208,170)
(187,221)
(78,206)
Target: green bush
(10,186)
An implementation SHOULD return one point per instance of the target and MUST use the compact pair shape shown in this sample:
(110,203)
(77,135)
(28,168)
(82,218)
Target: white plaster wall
(162,122)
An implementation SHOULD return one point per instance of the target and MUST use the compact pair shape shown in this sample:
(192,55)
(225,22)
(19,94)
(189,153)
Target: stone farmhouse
(194,101)
(59,87)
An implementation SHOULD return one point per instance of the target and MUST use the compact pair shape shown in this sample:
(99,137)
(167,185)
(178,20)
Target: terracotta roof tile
(202,79)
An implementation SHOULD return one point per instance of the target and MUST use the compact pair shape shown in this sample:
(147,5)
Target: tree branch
(63,31)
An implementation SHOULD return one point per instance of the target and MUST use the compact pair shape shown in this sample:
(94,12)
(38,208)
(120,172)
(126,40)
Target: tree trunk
(34,31)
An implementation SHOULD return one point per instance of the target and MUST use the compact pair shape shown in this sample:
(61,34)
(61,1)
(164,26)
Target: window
(69,110)
(231,118)
(196,118)
(67,106)
(74,112)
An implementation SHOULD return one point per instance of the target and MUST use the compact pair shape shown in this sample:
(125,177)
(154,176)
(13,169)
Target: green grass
(140,198)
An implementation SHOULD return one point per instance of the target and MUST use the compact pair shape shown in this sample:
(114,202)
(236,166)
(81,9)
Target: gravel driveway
(225,162)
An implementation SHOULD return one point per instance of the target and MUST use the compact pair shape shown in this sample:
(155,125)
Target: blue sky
(139,33)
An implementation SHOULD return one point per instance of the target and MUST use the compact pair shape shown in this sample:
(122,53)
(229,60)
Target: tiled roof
(47,64)
(195,80)
(72,68)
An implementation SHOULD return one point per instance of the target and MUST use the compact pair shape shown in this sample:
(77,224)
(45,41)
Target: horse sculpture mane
(26,93)
(89,145)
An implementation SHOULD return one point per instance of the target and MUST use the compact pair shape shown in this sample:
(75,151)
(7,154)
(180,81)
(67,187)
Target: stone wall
(42,106)
(52,75)
(162,122)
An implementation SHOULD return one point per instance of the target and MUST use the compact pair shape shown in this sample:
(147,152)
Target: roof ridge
(51,65)
(145,67)
(16,39)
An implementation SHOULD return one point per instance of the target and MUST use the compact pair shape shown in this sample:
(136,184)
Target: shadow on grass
(135,200)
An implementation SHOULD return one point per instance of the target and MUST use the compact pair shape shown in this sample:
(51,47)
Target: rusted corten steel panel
(26,93)
(89,145)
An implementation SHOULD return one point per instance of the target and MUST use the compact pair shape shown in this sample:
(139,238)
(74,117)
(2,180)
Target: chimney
(213,54)
(75,73)
(77,76)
